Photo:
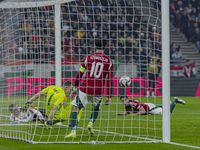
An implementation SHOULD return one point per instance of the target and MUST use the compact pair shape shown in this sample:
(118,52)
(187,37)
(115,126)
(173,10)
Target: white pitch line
(5,116)
(151,140)
(184,145)
(133,136)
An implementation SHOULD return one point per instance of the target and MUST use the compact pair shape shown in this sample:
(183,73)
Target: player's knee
(75,109)
(95,109)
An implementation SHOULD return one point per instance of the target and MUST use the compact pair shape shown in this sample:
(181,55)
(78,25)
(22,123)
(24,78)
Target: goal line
(150,140)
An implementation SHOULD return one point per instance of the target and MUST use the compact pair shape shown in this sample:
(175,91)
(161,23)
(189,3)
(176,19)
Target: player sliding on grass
(139,108)
(98,66)
(56,97)
(32,114)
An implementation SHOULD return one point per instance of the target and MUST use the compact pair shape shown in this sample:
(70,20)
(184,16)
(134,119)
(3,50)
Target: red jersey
(135,106)
(98,66)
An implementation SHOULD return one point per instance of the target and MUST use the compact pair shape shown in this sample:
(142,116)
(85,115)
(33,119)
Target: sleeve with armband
(81,72)
(110,82)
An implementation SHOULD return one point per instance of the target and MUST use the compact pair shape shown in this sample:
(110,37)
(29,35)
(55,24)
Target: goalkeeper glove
(26,106)
(48,124)
(42,119)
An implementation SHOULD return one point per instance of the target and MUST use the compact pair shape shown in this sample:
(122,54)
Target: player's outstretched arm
(126,113)
(32,99)
(140,112)
(48,123)
(108,101)
(52,113)
(36,96)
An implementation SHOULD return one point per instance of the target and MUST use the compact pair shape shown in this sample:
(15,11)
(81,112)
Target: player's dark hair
(125,96)
(68,83)
(11,106)
(187,60)
(100,43)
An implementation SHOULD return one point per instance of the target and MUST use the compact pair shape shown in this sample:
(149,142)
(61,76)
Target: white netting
(133,31)
(29,3)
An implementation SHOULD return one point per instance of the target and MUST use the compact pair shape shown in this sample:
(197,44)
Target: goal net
(28,64)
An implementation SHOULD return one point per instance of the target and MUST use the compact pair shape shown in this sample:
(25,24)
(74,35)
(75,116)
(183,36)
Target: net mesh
(132,29)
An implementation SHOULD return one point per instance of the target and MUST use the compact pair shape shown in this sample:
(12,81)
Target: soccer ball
(125,81)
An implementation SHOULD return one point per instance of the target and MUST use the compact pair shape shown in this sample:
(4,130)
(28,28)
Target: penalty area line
(184,145)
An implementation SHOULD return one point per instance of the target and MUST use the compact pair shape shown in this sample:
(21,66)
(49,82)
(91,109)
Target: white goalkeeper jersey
(25,116)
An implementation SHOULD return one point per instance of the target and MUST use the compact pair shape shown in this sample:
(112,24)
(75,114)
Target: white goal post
(165,72)
(43,43)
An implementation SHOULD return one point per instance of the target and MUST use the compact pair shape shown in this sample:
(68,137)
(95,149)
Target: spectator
(172,10)
(35,36)
(177,56)
(194,3)
(65,26)
(9,55)
(30,54)
(129,45)
(178,20)
(185,3)
(196,38)
(129,57)
(171,50)
(26,25)
(189,10)
(81,33)
(70,55)
(25,49)
(140,60)
(152,71)
(80,55)
(119,56)
(184,24)
(187,70)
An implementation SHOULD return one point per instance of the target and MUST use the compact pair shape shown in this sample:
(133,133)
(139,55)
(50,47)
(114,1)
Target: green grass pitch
(184,128)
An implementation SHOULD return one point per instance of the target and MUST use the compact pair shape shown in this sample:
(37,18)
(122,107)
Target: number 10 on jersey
(95,68)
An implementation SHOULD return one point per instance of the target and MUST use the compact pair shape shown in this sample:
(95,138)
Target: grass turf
(184,128)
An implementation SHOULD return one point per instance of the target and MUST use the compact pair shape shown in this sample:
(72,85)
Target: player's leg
(150,77)
(79,114)
(154,77)
(154,110)
(42,115)
(38,116)
(68,111)
(96,105)
(175,101)
(79,102)
(74,118)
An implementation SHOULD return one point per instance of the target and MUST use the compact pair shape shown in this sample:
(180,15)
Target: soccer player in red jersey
(139,108)
(98,66)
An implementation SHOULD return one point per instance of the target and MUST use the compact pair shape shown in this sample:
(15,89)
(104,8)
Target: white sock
(91,122)
(73,131)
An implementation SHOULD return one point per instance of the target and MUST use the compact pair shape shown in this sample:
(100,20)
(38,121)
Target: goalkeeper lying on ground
(55,99)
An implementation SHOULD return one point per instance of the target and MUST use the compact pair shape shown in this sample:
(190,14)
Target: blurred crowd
(185,15)
(29,33)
